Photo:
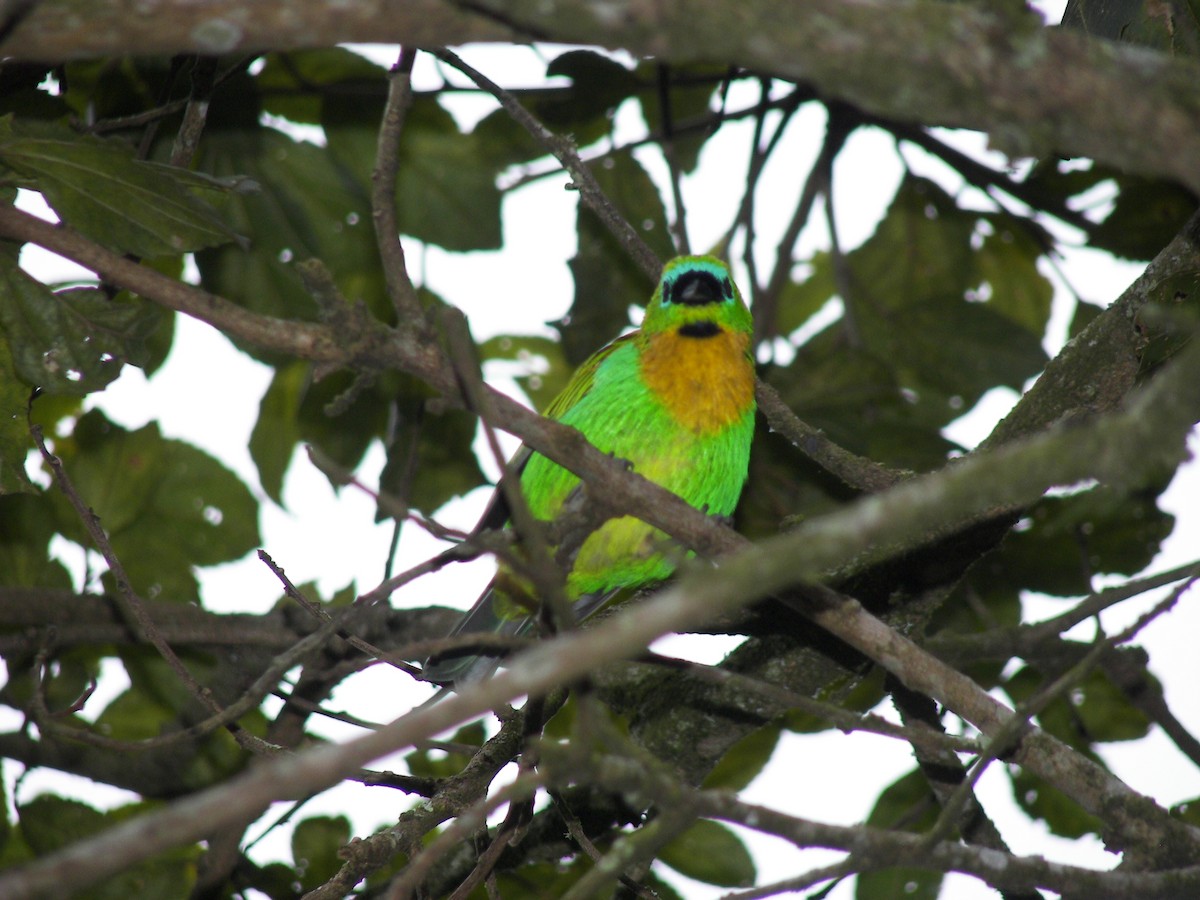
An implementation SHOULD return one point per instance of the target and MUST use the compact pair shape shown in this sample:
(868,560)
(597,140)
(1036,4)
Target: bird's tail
(484,618)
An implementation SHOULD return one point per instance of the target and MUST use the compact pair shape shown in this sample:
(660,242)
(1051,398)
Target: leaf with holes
(74,341)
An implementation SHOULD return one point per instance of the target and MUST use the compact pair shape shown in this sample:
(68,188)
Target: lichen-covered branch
(1032,89)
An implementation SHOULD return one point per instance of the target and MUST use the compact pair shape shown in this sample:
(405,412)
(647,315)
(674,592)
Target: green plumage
(675,399)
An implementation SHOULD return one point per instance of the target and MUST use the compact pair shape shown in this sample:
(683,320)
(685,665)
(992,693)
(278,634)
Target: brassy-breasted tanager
(676,400)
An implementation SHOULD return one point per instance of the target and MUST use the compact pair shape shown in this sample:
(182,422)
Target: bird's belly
(706,467)
(707,472)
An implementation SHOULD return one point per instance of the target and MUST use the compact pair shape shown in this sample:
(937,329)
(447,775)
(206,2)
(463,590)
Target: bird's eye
(727,288)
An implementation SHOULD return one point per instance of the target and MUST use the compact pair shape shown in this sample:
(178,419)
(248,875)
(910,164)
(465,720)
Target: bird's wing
(585,376)
(496,514)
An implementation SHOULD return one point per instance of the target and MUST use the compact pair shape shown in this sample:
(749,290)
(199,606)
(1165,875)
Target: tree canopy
(241,166)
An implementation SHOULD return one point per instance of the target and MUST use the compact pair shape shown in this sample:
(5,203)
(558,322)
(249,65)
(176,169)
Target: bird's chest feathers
(705,383)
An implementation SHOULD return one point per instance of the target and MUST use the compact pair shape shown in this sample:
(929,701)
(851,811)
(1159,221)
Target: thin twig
(842,719)
(468,822)
(838,128)
(195,114)
(336,621)
(131,604)
(835,873)
(383,191)
(389,503)
(1001,741)
(843,278)
(1023,640)
(564,151)
(548,580)
(678,225)
(707,122)
(858,472)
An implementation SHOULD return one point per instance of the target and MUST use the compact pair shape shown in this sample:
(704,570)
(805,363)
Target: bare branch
(383,191)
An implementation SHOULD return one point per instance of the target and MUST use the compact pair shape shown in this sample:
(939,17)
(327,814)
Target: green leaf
(541,387)
(440,764)
(1085,313)
(607,282)
(15,442)
(690,97)
(800,300)
(134,715)
(743,762)
(166,506)
(445,466)
(891,883)
(857,396)
(923,339)
(20,96)
(307,206)
(1095,711)
(290,83)
(959,349)
(906,804)
(1007,263)
(277,429)
(344,437)
(505,141)
(1146,216)
(74,341)
(158,702)
(97,187)
(920,251)
(543,880)
(598,86)
(446,190)
(1061,814)
(26,528)
(979,603)
(1053,181)
(316,843)
(1105,713)
(276,880)
(50,823)
(75,673)
(1174,29)
(294,409)
(97,89)
(711,853)
(1101,530)
(5,824)
(1188,811)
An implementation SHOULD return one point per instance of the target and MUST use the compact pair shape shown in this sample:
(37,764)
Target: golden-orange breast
(706,383)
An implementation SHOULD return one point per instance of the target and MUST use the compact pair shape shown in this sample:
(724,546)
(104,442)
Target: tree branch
(1032,89)
(1113,447)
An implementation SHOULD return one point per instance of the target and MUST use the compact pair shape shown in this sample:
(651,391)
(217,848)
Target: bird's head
(696,298)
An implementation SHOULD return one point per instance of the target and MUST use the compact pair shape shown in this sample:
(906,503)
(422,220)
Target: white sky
(331,537)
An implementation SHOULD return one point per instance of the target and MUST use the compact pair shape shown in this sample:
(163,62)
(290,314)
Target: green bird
(676,400)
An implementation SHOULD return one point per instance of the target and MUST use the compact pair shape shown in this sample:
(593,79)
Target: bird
(675,400)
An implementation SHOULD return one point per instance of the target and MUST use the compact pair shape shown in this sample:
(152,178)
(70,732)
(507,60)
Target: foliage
(881,347)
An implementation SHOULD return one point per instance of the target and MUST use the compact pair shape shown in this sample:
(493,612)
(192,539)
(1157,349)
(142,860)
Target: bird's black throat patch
(705,328)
